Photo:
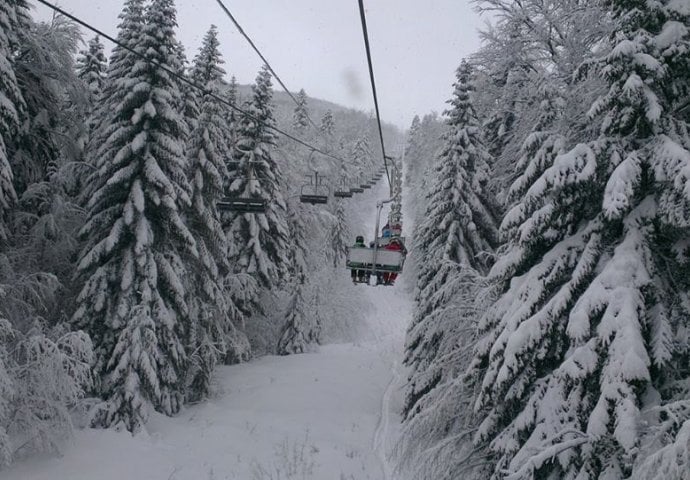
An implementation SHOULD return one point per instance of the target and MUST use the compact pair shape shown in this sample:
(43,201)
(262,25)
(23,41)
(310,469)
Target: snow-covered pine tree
(258,242)
(339,234)
(300,116)
(362,159)
(302,327)
(231,116)
(213,315)
(582,349)
(133,299)
(327,126)
(115,87)
(91,67)
(421,158)
(189,99)
(457,237)
(11,107)
(412,159)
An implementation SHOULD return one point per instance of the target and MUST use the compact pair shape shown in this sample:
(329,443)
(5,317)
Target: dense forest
(122,285)
(552,249)
(549,262)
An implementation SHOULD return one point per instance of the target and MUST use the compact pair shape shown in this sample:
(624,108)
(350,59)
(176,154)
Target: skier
(396,246)
(386,231)
(359,275)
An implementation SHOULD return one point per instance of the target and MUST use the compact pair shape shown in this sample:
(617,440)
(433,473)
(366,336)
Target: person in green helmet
(359,276)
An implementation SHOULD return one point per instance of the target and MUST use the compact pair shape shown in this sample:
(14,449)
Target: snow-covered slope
(326,415)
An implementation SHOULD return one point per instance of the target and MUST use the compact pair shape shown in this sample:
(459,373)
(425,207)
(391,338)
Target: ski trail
(381,434)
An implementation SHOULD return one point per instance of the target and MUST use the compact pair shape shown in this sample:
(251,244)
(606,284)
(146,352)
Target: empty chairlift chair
(241,203)
(342,190)
(314,192)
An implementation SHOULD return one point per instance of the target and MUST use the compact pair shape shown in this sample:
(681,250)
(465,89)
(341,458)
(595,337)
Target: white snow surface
(322,416)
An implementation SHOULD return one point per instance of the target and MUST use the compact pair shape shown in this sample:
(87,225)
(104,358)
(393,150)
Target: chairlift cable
(365,33)
(185,80)
(258,52)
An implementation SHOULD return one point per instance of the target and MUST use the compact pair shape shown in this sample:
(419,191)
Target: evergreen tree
(133,299)
(362,159)
(231,115)
(91,67)
(302,327)
(327,127)
(189,101)
(11,108)
(258,241)
(339,234)
(212,312)
(412,146)
(458,234)
(580,342)
(300,116)
(115,87)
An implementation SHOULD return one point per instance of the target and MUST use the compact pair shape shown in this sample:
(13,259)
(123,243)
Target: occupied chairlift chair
(238,203)
(371,261)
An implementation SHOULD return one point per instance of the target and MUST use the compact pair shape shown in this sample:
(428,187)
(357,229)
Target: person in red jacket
(396,246)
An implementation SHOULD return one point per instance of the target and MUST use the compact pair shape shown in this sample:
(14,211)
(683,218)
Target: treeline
(122,286)
(552,245)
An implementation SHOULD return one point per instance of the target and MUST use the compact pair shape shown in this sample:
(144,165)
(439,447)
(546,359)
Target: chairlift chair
(359,258)
(342,190)
(242,204)
(314,192)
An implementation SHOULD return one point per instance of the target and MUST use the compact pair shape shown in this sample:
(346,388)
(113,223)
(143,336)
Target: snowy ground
(326,415)
(331,415)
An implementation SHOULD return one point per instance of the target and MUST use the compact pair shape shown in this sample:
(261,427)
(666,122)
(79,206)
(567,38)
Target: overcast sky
(317,45)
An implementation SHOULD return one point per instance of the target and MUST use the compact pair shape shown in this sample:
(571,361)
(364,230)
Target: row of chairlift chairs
(314,192)
(371,261)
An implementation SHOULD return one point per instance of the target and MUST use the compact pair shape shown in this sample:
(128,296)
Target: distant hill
(349,122)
